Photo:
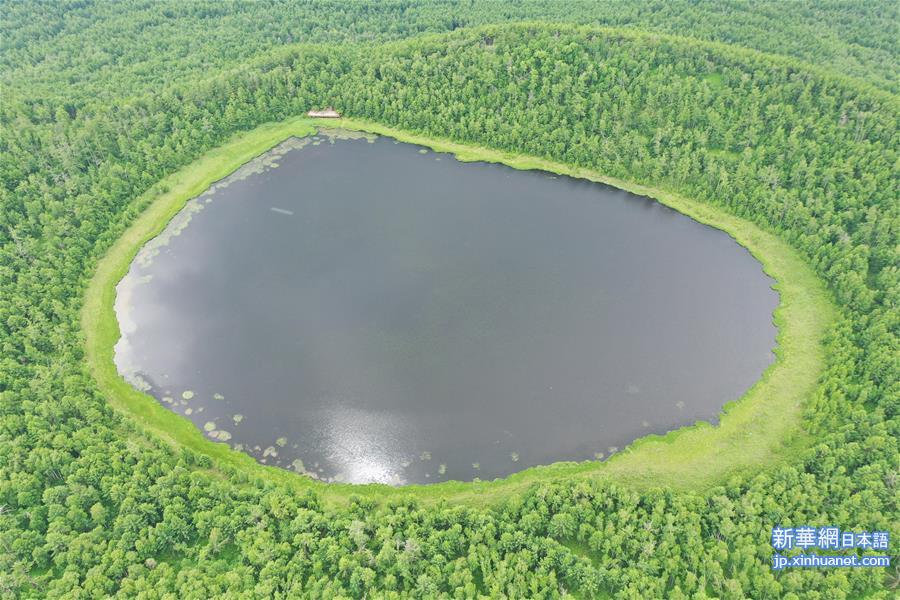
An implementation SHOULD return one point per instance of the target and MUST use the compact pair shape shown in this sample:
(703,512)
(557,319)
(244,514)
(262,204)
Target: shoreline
(755,431)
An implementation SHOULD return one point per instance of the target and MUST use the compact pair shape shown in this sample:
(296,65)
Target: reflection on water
(357,310)
(364,443)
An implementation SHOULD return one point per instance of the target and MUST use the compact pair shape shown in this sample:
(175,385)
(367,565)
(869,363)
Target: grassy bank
(754,432)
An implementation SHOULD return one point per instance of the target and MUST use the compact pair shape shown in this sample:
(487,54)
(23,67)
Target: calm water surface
(363,310)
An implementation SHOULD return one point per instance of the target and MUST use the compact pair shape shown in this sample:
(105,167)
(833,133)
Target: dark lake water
(364,310)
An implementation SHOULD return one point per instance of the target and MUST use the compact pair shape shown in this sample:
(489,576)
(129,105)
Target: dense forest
(76,50)
(784,114)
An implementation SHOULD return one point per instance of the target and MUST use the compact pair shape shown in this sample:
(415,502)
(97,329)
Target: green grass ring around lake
(758,430)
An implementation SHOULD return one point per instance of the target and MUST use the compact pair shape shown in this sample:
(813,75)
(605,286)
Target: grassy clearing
(758,430)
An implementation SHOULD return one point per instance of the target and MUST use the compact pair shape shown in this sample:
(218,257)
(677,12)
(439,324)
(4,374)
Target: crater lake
(363,310)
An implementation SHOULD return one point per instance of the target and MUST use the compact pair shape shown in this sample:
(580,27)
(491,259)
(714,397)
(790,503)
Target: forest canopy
(784,114)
